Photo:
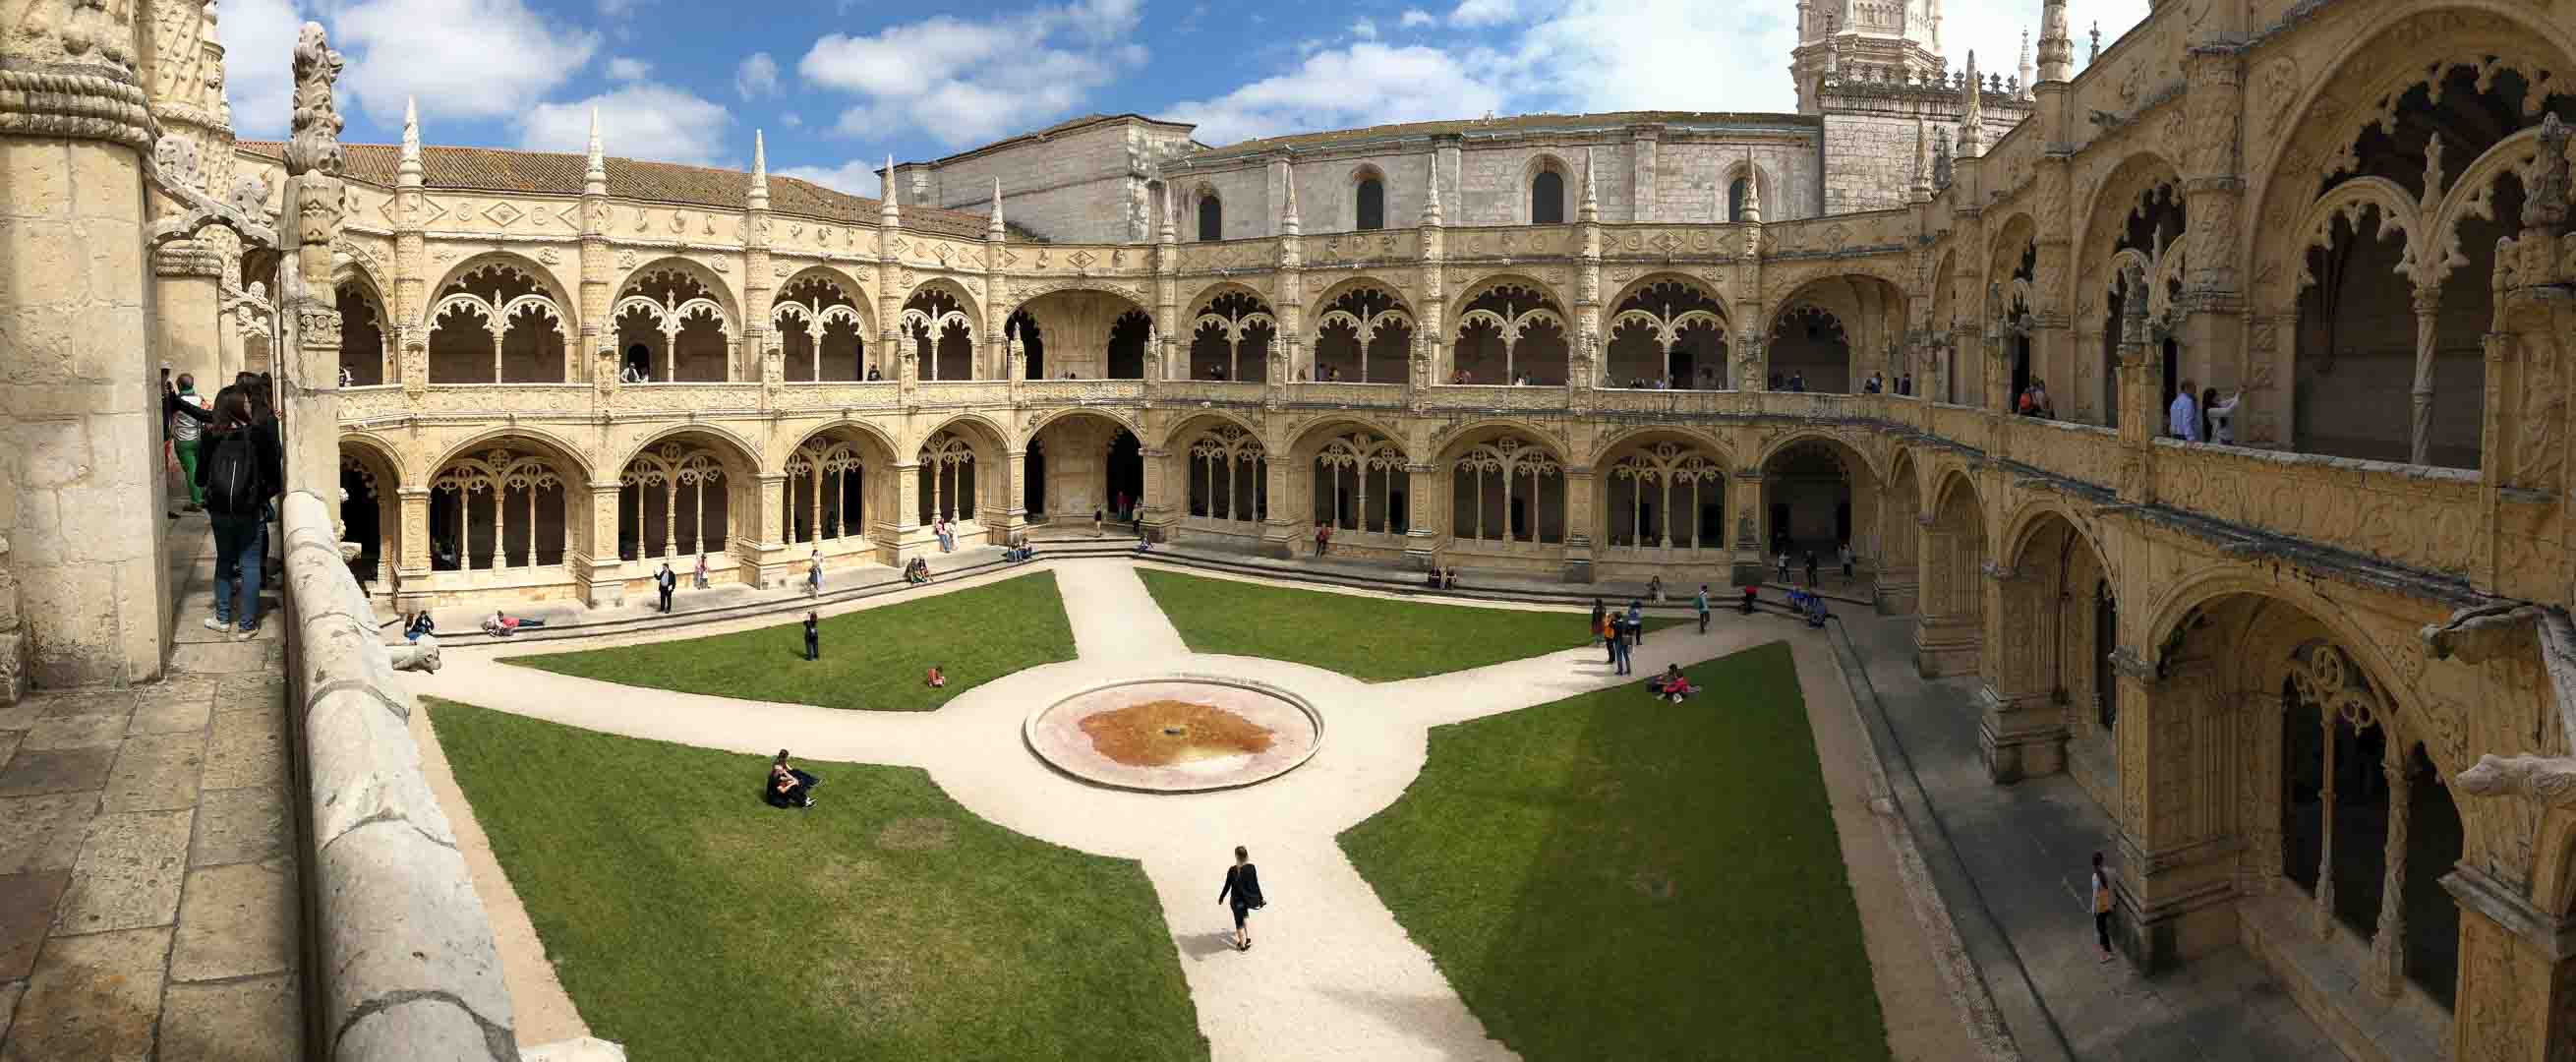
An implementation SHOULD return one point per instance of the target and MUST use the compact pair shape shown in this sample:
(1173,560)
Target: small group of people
(234,460)
(2205,418)
(916,571)
(1619,631)
(1672,685)
(1796,381)
(1323,538)
(418,625)
(1442,578)
(946,533)
(1810,606)
(788,787)
(1017,549)
(2034,401)
(934,678)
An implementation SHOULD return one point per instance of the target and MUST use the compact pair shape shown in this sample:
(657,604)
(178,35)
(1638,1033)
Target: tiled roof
(559,173)
(1513,123)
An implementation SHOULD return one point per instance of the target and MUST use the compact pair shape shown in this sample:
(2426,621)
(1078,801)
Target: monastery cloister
(2321,205)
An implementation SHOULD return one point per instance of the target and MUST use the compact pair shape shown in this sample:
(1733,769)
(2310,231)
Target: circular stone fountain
(1183,734)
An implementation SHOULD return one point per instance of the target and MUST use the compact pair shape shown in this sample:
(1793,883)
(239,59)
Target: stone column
(411,569)
(2180,754)
(898,543)
(2021,732)
(2523,474)
(187,314)
(2428,310)
(1745,497)
(1015,500)
(595,567)
(1579,521)
(762,533)
(1426,506)
(1900,540)
(1279,532)
(81,515)
(2388,945)
(2213,334)
(1155,509)
(2517,990)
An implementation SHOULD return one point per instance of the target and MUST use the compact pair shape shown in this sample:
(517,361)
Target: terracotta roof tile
(559,173)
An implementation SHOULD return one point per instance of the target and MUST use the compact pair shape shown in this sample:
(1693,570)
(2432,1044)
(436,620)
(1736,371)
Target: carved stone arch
(1546,161)
(1018,296)
(736,450)
(777,457)
(861,299)
(1946,481)
(381,453)
(1123,418)
(1362,282)
(1702,437)
(1313,435)
(1711,290)
(2014,235)
(967,302)
(2352,202)
(2115,200)
(1206,296)
(557,450)
(2472,195)
(1200,422)
(1768,185)
(539,275)
(722,293)
(2031,519)
(978,429)
(1850,453)
(1447,445)
(363,274)
(1477,288)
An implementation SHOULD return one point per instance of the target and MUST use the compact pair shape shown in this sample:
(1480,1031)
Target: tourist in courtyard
(934,678)
(1784,566)
(1242,892)
(418,625)
(2040,405)
(1095,523)
(1872,385)
(1752,596)
(874,375)
(1798,382)
(1144,542)
(789,787)
(242,469)
(2183,417)
(1905,385)
(1811,568)
(1323,538)
(1655,589)
(814,573)
(502,625)
(1620,631)
(1635,619)
(664,583)
(1450,580)
(188,413)
(1672,685)
(917,571)
(1601,630)
(1118,506)
(1846,551)
(2101,893)
(1700,605)
(2221,416)
(700,579)
(813,638)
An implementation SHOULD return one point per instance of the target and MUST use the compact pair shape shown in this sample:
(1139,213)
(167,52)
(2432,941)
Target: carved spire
(1972,118)
(759,197)
(594,174)
(2056,43)
(1431,192)
(2097,43)
(409,176)
(313,144)
(887,215)
(1590,210)
(1288,225)
(2027,80)
(1752,189)
(993,228)
(1922,189)
(2546,207)
(1171,224)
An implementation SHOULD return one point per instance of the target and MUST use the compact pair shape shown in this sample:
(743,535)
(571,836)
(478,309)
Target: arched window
(1547,198)
(1371,206)
(1737,195)
(1211,218)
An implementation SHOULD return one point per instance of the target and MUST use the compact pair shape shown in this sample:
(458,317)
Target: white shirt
(184,428)
(2222,420)
(2184,419)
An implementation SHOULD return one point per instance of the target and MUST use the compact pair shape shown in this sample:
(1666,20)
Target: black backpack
(234,485)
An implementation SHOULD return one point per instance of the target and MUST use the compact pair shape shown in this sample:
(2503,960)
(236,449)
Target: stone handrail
(406,966)
(2408,515)
(1356,395)
(1080,392)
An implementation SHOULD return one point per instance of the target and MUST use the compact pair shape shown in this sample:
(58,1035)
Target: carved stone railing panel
(1084,260)
(1959,424)
(1208,391)
(1343,248)
(1512,241)
(1261,253)
(1354,395)
(1493,396)
(962,392)
(2080,452)
(1671,241)
(2408,515)
(1081,392)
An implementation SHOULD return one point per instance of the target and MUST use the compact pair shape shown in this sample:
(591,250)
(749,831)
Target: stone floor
(2022,899)
(147,859)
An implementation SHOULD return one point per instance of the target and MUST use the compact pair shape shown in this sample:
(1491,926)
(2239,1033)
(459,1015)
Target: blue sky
(838,84)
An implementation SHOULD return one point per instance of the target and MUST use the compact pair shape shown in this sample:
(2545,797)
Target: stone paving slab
(148,875)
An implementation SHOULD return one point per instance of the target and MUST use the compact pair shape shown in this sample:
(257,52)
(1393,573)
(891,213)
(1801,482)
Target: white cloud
(615,9)
(1414,16)
(791,120)
(1364,84)
(1611,55)
(1365,29)
(856,177)
(961,81)
(259,42)
(1995,33)
(1486,12)
(642,121)
(628,68)
(461,58)
(757,76)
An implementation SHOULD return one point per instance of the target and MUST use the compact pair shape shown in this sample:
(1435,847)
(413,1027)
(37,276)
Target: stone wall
(1076,188)
(403,948)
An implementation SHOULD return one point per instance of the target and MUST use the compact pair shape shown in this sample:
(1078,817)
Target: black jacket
(1245,883)
(267,455)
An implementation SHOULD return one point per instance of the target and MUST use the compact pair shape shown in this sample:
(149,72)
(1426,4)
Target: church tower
(1879,40)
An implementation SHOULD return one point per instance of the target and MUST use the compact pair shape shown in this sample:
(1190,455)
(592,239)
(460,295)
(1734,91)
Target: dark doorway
(1372,204)
(1127,345)
(1033,492)
(2020,373)
(1780,524)
(1211,219)
(1032,343)
(1126,470)
(1547,198)
(640,359)
(2173,375)
(2106,634)
(1842,522)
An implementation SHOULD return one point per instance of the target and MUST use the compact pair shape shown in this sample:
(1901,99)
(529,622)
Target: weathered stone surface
(75,732)
(421,1028)
(44,832)
(235,921)
(246,749)
(248,1019)
(20,716)
(69,705)
(363,766)
(33,772)
(250,692)
(9,994)
(165,709)
(129,873)
(578,1049)
(239,826)
(221,657)
(91,997)
(26,912)
(156,772)
(398,914)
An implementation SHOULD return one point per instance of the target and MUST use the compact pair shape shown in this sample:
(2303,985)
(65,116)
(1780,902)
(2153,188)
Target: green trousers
(187,451)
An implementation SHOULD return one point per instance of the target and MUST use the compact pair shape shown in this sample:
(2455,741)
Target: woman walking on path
(813,639)
(1243,886)
(701,582)
(2101,905)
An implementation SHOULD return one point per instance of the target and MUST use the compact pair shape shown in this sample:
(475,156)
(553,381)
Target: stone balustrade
(407,966)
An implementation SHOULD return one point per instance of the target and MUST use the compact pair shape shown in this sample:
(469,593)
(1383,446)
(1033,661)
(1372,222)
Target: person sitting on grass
(934,678)
(1671,685)
(789,787)
(503,626)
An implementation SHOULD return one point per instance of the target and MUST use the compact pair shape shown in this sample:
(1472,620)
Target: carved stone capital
(2126,663)
(187,258)
(73,104)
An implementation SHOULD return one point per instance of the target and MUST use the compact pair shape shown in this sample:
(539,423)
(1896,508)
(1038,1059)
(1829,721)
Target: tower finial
(594,173)
(2056,43)
(2027,71)
(759,197)
(1288,222)
(1752,189)
(887,215)
(1922,190)
(409,175)
(993,229)
(1590,210)
(1431,192)
(1972,116)
(2097,43)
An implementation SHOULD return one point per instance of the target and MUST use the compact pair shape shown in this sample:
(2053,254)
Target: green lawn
(872,659)
(1610,876)
(1373,639)
(689,920)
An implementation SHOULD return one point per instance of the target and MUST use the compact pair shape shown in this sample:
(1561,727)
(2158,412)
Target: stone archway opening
(1225,472)
(676,501)
(370,513)
(683,331)
(1080,464)
(496,324)
(1819,498)
(1231,338)
(1510,334)
(504,505)
(1360,485)
(941,334)
(1668,334)
(1949,633)
(1507,500)
(365,352)
(1363,336)
(822,333)
(1081,335)
(838,496)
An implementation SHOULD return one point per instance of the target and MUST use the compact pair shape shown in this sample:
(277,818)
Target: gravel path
(1331,975)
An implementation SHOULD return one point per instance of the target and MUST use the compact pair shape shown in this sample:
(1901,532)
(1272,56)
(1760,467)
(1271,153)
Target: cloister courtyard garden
(1493,847)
